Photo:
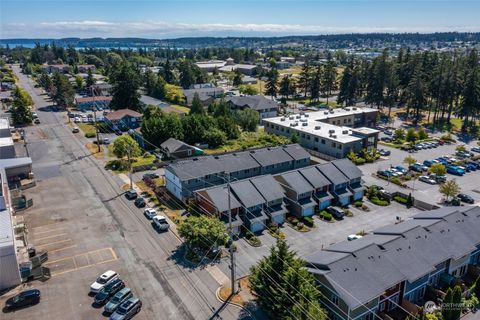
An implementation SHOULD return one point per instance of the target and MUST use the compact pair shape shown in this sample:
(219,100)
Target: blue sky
(177,18)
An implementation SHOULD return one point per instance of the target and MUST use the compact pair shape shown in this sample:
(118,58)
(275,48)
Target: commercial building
(185,176)
(329,134)
(395,269)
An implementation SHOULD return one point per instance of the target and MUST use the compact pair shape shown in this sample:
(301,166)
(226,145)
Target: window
(316,139)
(344,120)
(334,145)
(303,135)
(308,137)
(369,316)
(381,307)
(323,141)
(340,146)
(246,171)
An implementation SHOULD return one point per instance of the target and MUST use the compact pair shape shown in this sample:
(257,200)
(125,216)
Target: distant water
(32,45)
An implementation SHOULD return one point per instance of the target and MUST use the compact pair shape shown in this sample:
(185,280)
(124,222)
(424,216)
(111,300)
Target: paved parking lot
(324,233)
(423,191)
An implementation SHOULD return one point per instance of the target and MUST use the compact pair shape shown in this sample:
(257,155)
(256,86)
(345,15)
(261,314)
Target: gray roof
(404,251)
(296,182)
(332,173)
(252,102)
(296,151)
(199,167)
(314,177)
(219,198)
(173,145)
(348,168)
(147,100)
(268,187)
(247,193)
(270,156)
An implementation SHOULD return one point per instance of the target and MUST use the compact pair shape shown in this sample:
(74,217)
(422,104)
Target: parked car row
(118,300)
(159,222)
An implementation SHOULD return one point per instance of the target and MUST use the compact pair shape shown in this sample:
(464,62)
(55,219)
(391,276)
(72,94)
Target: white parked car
(75,130)
(427,179)
(160,223)
(103,280)
(150,213)
(77,120)
(106,141)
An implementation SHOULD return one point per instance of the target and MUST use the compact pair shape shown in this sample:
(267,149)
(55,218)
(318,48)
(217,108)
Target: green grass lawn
(250,140)
(86,127)
(181,108)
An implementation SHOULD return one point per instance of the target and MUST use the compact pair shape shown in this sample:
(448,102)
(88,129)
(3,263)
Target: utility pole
(230,231)
(129,167)
(95,121)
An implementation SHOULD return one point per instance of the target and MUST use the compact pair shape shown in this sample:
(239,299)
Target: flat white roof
(4,123)
(7,141)
(311,123)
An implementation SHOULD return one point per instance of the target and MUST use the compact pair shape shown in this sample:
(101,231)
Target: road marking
(64,248)
(42,232)
(47,225)
(49,244)
(48,237)
(73,259)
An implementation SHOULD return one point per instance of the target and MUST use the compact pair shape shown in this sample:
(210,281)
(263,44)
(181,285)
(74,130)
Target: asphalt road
(83,205)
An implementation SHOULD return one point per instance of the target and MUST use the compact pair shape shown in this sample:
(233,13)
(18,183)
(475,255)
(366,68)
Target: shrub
(358,204)
(90,135)
(378,202)
(396,180)
(273,227)
(365,208)
(348,213)
(119,165)
(359,161)
(308,221)
(300,225)
(326,216)
(400,199)
(294,221)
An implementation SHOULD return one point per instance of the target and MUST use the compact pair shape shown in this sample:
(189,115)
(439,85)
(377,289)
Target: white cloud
(163,29)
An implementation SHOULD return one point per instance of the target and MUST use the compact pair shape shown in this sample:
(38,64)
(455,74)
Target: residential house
(266,108)
(83,68)
(252,211)
(249,80)
(206,94)
(389,271)
(175,149)
(185,176)
(298,193)
(214,201)
(102,89)
(354,175)
(273,194)
(339,183)
(164,106)
(320,184)
(52,68)
(87,103)
(123,119)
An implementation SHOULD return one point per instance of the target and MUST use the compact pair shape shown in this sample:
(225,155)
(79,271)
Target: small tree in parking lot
(461,148)
(399,134)
(409,160)
(422,134)
(438,169)
(411,135)
(449,189)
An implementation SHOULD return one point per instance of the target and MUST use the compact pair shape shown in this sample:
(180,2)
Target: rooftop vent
(331,131)
(291,117)
(282,119)
(305,124)
(332,112)
(216,157)
(298,116)
(307,115)
(195,159)
(317,127)
(345,132)
(334,136)
(354,108)
(325,112)
(348,109)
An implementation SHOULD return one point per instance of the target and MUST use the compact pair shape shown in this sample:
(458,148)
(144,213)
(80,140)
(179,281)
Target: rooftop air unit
(291,117)
(305,124)
(334,136)
(317,127)
(348,109)
(354,108)
(282,119)
(325,112)
(345,132)
(331,131)
(307,115)
(298,116)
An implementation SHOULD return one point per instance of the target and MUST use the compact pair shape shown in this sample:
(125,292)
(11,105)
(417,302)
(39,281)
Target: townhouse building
(395,269)
(185,176)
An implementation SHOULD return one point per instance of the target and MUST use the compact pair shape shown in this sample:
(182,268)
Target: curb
(230,303)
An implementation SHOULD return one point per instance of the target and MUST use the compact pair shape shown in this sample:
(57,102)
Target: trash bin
(31,252)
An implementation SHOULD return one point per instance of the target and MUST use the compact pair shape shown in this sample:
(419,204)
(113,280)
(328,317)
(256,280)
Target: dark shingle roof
(347,167)
(270,156)
(332,173)
(296,151)
(119,114)
(252,102)
(247,193)
(314,177)
(219,198)
(296,182)
(268,187)
(173,145)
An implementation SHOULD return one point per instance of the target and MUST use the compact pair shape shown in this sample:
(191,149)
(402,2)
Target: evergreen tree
(63,92)
(329,77)
(168,73)
(315,84)
(271,88)
(284,288)
(305,78)
(470,105)
(416,93)
(21,114)
(159,90)
(126,83)
(456,303)
(447,301)
(237,79)
(197,106)
(90,79)
(286,87)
